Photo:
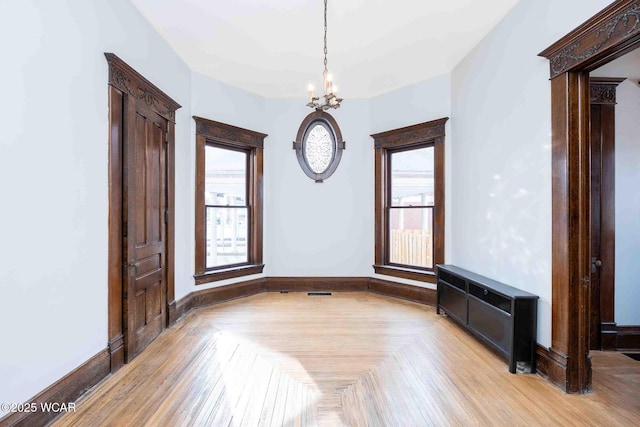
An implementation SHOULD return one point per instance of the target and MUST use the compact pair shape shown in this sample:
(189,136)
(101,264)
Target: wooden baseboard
(401,290)
(301,284)
(66,390)
(219,294)
(552,365)
(628,338)
(184,305)
(267,284)
(171,314)
(305,284)
(116,353)
(608,336)
(543,361)
(351,284)
(619,338)
(227,293)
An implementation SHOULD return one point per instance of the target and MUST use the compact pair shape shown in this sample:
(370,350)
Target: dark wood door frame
(603,330)
(609,34)
(127,84)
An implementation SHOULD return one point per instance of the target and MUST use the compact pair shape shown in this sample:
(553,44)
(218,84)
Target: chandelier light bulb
(328,99)
(310,93)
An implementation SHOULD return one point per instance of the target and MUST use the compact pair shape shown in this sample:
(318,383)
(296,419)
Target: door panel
(138,109)
(596,169)
(145,247)
(602,328)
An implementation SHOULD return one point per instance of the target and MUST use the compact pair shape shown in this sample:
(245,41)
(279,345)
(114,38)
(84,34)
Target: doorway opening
(615,204)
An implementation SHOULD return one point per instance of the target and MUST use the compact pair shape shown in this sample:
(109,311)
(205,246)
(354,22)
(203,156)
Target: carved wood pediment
(223,132)
(411,134)
(127,80)
(587,44)
(603,89)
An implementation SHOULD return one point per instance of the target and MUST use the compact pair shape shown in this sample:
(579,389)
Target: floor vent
(318,294)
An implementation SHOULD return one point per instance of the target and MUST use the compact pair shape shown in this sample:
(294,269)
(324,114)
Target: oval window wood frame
(309,122)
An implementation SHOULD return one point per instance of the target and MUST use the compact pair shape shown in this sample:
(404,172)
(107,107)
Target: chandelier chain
(325,35)
(329,98)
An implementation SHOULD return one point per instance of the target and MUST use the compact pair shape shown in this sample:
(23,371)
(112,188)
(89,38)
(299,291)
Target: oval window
(319,145)
(318,148)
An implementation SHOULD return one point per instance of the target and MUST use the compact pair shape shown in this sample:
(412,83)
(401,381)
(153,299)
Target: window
(228,201)
(410,210)
(319,145)
(226,208)
(409,204)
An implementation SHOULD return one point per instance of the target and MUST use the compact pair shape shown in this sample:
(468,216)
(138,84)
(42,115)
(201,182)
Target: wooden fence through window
(411,247)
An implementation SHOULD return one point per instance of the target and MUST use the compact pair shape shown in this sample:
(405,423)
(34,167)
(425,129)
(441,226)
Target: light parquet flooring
(357,359)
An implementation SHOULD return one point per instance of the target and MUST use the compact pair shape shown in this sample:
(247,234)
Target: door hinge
(166,138)
(166,217)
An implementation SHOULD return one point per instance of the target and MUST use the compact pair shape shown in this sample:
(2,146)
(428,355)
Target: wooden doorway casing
(602,328)
(127,87)
(609,34)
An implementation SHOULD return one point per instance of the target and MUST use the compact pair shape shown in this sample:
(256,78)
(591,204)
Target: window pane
(318,148)
(412,177)
(225,176)
(226,232)
(411,236)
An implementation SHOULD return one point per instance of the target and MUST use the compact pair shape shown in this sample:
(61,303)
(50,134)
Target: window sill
(406,273)
(230,273)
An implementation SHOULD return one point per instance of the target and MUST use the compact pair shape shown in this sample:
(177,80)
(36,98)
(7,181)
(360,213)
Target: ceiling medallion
(329,99)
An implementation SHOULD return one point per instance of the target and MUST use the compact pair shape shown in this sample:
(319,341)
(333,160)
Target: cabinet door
(491,323)
(453,301)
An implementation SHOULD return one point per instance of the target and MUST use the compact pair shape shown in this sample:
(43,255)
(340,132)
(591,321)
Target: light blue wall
(418,103)
(53,170)
(318,229)
(501,123)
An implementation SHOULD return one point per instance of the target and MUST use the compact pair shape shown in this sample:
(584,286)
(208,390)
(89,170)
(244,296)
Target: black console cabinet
(500,315)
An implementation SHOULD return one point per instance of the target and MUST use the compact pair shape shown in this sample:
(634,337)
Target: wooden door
(144,238)
(602,327)
(141,207)
(596,226)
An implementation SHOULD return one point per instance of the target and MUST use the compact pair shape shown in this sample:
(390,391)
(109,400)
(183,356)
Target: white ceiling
(273,48)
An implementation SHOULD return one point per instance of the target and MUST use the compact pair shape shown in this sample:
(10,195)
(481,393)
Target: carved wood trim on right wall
(609,34)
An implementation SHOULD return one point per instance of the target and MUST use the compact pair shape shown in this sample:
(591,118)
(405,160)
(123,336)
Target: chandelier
(329,99)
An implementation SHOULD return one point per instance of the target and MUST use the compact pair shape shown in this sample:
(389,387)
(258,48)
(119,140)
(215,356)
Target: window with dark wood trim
(409,201)
(319,145)
(228,229)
